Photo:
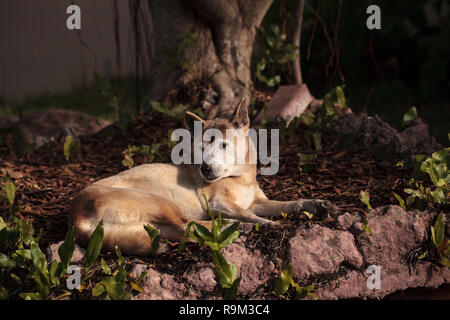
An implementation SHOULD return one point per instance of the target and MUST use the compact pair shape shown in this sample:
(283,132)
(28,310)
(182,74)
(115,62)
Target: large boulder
(320,250)
(358,131)
(394,233)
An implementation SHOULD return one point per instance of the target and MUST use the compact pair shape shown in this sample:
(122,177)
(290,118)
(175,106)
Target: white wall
(38,54)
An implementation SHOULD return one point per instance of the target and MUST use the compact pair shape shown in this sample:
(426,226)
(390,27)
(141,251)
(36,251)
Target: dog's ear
(189,119)
(240,118)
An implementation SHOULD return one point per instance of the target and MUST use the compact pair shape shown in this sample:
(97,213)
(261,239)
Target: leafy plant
(286,280)
(24,261)
(155,236)
(304,160)
(71,145)
(440,242)
(436,167)
(114,285)
(167,111)
(150,154)
(217,238)
(334,105)
(277,53)
(365,198)
(8,192)
(176,56)
(94,247)
(113,99)
(410,115)
(285,129)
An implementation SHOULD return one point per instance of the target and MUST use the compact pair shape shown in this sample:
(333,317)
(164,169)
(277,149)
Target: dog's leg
(231,210)
(272,208)
(124,213)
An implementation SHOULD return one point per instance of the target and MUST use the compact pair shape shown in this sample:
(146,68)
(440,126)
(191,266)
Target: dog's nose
(206,170)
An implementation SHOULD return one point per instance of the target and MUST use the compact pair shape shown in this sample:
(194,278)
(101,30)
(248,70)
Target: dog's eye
(224,145)
(213,138)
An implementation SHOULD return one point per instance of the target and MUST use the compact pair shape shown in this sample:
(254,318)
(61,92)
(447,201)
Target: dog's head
(225,144)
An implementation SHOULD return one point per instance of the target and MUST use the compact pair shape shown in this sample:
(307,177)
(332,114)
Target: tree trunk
(220,52)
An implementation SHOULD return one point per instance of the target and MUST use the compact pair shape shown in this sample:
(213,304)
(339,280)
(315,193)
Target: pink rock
(288,102)
(319,250)
(346,220)
(394,233)
(253,267)
(202,277)
(160,286)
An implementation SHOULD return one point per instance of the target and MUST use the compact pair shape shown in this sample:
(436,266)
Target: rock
(160,286)
(415,139)
(253,267)
(41,127)
(336,256)
(288,102)
(320,250)
(346,220)
(360,131)
(52,253)
(202,277)
(395,232)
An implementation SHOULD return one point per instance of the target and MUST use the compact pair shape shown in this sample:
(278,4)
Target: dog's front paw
(321,208)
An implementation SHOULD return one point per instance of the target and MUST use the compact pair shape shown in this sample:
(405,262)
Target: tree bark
(221,51)
(297,30)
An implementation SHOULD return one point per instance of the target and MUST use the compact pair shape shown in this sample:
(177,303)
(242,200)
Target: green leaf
(409,201)
(182,243)
(120,259)
(230,293)
(10,191)
(40,274)
(115,288)
(433,236)
(30,296)
(228,232)
(155,236)
(400,200)
(3,293)
(203,232)
(317,138)
(98,290)
(65,251)
(24,253)
(6,262)
(365,198)
(303,157)
(71,144)
(105,267)
(445,262)
(213,245)
(438,196)
(411,114)
(54,276)
(282,284)
(439,229)
(225,272)
(95,245)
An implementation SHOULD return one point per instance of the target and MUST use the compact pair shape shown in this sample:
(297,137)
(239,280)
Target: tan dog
(168,196)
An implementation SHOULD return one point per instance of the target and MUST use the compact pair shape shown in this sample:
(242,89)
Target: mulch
(46,182)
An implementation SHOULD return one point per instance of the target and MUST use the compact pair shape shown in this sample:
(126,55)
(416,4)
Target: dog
(169,196)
